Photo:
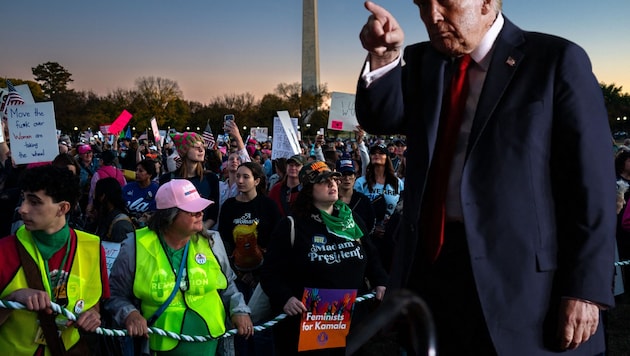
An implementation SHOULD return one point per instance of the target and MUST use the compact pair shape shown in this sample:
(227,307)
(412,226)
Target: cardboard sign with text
(32,132)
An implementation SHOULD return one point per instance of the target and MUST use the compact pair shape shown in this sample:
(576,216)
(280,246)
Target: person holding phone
(236,141)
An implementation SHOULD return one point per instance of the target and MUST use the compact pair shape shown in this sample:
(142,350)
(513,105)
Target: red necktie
(433,205)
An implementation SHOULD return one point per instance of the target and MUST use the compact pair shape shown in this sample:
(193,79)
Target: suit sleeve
(583,182)
(379,107)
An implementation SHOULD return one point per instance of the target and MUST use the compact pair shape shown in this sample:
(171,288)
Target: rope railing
(6,304)
(622,263)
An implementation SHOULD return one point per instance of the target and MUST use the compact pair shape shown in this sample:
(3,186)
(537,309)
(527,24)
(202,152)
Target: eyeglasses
(194,215)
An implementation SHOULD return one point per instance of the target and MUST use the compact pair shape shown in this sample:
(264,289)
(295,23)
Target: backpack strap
(46,321)
(117,218)
(292,229)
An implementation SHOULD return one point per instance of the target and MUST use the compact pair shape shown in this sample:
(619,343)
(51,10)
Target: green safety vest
(155,279)
(84,286)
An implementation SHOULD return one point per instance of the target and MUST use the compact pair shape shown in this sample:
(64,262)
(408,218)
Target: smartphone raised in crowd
(226,118)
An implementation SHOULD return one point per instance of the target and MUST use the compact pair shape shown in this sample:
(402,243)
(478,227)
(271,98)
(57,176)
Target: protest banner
(342,116)
(32,132)
(326,322)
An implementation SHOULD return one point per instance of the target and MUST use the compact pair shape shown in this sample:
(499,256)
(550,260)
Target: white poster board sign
(281,144)
(32,132)
(342,116)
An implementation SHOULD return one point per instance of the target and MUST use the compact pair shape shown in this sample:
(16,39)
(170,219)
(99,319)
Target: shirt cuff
(370,76)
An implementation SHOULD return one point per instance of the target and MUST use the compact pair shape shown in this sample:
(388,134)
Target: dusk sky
(214,47)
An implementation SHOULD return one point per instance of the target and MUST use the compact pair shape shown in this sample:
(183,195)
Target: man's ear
(64,208)
(487,7)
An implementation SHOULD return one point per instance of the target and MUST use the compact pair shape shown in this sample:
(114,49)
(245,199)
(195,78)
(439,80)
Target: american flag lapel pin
(510,61)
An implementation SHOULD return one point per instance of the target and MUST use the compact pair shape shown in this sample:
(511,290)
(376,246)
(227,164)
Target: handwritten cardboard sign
(32,132)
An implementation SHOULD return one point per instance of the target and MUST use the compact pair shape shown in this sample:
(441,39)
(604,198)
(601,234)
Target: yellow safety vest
(84,286)
(155,279)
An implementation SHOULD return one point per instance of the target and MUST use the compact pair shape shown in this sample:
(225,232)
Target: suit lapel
(506,58)
(433,70)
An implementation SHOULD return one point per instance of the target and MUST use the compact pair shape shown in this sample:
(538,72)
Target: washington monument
(310,47)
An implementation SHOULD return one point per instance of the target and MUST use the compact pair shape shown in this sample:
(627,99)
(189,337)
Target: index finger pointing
(379,12)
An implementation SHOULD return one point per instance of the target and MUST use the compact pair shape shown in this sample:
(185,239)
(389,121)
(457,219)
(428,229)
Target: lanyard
(168,301)
(55,285)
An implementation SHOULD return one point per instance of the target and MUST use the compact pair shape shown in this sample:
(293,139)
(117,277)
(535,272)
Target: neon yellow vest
(155,279)
(84,284)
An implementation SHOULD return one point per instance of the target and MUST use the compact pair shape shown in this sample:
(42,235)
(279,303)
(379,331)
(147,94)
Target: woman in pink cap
(179,275)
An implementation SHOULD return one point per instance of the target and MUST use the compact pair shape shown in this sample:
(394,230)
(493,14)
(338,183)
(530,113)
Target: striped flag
(12,98)
(208,137)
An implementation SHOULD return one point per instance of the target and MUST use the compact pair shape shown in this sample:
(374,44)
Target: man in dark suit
(524,256)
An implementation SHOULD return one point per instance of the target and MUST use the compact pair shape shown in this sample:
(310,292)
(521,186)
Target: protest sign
(112,249)
(261,134)
(104,129)
(156,132)
(342,116)
(326,322)
(32,132)
(281,144)
(120,122)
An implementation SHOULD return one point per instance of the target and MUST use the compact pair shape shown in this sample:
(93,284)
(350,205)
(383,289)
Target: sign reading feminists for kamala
(32,132)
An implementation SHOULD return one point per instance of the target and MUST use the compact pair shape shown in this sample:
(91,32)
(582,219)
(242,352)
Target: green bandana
(342,225)
(49,244)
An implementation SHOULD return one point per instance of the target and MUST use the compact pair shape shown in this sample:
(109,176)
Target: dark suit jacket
(538,192)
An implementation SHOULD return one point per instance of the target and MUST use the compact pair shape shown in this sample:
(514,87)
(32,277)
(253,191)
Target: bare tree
(157,94)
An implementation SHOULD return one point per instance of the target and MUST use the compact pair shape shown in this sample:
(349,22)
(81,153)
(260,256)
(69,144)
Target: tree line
(163,99)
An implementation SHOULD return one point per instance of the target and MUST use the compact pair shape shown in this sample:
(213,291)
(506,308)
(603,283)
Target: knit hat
(182,194)
(184,141)
(316,172)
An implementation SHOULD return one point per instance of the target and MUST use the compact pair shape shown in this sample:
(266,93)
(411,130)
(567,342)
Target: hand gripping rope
(153,330)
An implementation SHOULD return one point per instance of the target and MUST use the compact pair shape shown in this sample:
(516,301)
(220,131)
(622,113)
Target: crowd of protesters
(247,197)
(118,187)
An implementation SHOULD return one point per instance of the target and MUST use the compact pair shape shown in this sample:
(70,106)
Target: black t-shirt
(261,210)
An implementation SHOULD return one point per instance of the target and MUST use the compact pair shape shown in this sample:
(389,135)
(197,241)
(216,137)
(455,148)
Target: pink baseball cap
(182,194)
(84,148)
